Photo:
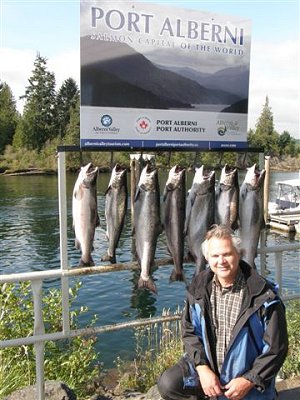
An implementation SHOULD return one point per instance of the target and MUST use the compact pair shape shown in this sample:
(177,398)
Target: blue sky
(53,28)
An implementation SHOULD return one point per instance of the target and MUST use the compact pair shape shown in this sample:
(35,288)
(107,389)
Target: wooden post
(266,189)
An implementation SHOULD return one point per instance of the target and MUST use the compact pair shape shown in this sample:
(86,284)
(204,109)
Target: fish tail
(177,276)
(107,257)
(148,284)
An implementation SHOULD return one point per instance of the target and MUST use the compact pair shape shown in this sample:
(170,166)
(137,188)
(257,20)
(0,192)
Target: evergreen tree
(264,135)
(265,125)
(66,100)
(72,136)
(8,116)
(38,123)
(283,142)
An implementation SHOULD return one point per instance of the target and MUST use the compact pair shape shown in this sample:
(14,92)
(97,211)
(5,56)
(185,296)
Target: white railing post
(62,192)
(39,329)
(278,271)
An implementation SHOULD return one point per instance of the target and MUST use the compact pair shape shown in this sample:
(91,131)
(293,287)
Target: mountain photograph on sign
(113,74)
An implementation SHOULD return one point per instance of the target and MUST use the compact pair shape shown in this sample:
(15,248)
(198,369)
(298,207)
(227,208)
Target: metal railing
(39,336)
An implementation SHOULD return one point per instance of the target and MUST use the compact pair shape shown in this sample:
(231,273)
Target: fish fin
(97,220)
(77,193)
(137,193)
(165,194)
(107,257)
(189,258)
(107,190)
(77,244)
(160,229)
(149,284)
(235,225)
(90,263)
(177,276)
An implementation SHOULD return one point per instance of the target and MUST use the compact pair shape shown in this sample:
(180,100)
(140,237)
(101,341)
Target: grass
(160,347)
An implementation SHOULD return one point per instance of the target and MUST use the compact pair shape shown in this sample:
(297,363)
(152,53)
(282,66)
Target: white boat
(287,198)
(284,212)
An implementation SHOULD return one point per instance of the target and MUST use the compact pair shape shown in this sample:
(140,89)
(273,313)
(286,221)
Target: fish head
(148,178)
(176,177)
(118,176)
(88,175)
(204,180)
(254,177)
(228,175)
(198,177)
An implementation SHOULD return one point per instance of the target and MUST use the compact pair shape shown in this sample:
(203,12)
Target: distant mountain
(234,80)
(107,66)
(107,90)
(240,107)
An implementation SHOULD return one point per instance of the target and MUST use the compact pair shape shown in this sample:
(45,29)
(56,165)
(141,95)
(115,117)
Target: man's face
(223,260)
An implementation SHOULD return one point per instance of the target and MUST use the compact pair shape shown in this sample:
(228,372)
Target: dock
(285,222)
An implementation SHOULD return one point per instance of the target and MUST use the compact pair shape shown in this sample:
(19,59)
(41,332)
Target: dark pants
(171,387)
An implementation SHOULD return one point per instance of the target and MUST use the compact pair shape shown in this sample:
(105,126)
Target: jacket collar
(201,283)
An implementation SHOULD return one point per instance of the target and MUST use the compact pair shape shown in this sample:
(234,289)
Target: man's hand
(210,383)
(237,388)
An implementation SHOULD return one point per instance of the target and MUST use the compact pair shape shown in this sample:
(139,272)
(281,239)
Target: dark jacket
(259,341)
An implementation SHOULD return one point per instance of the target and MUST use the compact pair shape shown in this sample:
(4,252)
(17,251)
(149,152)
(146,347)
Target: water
(29,241)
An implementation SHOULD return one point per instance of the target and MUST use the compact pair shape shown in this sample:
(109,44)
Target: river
(29,241)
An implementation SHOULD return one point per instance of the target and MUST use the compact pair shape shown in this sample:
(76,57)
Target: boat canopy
(290,182)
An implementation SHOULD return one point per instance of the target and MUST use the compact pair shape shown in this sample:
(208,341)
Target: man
(234,330)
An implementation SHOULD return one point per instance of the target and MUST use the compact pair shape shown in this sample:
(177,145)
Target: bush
(158,347)
(70,361)
(291,366)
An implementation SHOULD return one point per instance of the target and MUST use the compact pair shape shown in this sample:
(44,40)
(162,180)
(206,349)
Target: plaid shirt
(226,305)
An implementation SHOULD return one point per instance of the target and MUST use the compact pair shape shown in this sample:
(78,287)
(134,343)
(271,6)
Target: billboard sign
(155,76)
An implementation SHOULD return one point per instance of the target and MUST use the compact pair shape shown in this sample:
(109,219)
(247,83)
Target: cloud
(17,66)
(274,72)
(65,65)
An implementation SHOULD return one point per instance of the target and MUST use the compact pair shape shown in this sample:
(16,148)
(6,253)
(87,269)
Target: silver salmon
(116,197)
(227,198)
(147,224)
(174,217)
(200,214)
(84,210)
(251,212)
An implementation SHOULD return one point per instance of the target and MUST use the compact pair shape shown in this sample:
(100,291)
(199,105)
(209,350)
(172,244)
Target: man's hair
(221,232)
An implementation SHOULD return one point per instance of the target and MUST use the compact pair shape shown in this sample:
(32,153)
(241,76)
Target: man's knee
(165,385)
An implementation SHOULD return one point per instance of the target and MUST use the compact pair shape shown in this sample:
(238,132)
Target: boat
(284,212)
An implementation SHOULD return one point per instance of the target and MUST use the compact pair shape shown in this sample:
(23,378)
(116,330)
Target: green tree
(286,144)
(66,100)
(37,125)
(265,123)
(264,135)
(72,136)
(8,116)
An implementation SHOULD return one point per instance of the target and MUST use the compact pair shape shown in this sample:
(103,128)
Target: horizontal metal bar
(100,269)
(278,249)
(87,331)
(58,273)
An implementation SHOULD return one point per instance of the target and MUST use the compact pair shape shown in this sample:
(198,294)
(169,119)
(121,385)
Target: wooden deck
(285,222)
